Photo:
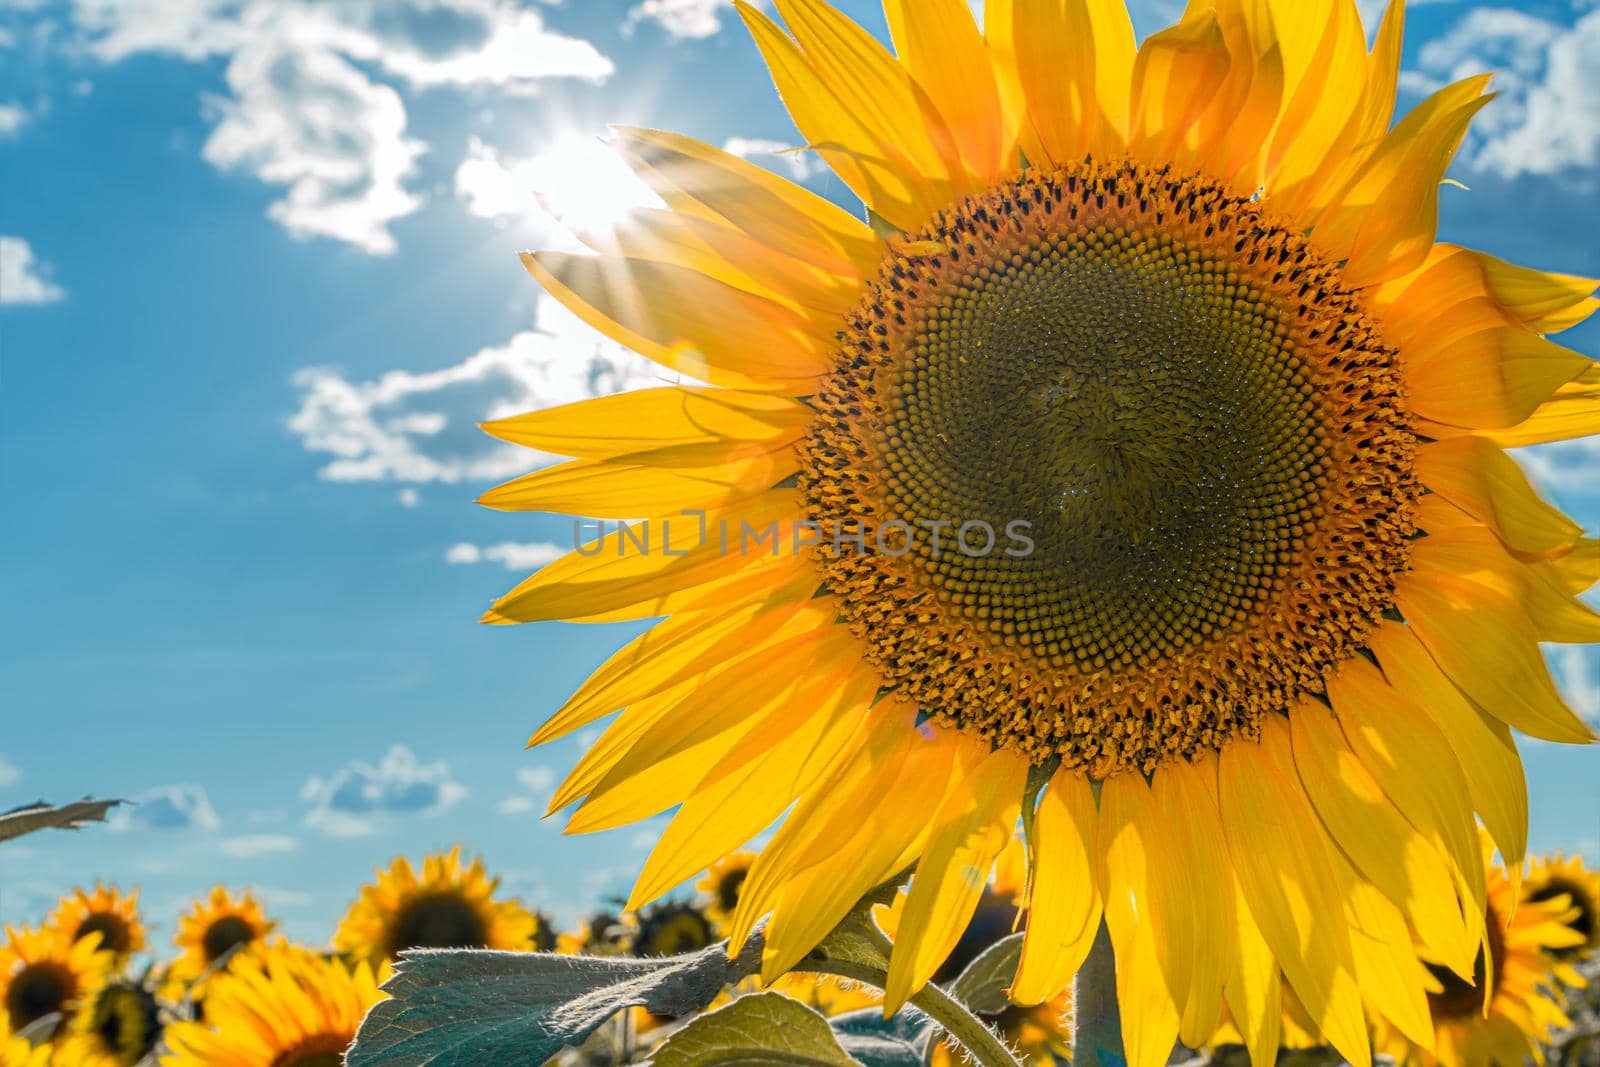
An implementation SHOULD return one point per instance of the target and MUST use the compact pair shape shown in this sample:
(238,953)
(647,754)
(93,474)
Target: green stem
(982,1043)
(1097,1024)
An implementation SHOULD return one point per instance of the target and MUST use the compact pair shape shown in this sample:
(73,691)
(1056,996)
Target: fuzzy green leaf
(762,1028)
(982,986)
(475,1008)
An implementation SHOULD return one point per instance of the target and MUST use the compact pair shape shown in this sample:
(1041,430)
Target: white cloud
(533,792)
(509,554)
(574,183)
(408,497)
(347,802)
(799,165)
(681,18)
(1546,119)
(422,427)
(23,279)
(10,773)
(13,117)
(167,807)
(305,117)
(1577,675)
(305,109)
(1564,467)
(252,845)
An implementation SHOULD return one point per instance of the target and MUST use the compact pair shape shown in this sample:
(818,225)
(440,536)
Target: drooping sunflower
(118,1024)
(43,973)
(282,1006)
(605,933)
(720,886)
(1147,448)
(1511,1003)
(1561,876)
(107,911)
(450,904)
(19,1052)
(214,926)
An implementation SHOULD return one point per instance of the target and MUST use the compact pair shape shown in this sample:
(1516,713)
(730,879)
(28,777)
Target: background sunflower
(106,911)
(43,974)
(214,926)
(448,905)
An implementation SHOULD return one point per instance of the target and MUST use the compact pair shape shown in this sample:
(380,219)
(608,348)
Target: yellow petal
(607,489)
(1253,990)
(1484,643)
(687,321)
(1482,744)
(1281,855)
(1176,75)
(1149,933)
(665,762)
(1393,980)
(713,420)
(1545,302)
(1487,484)
(751,785)
(1384,221)
(1572,411)
(1074,61)
(1402,748)
(1320,102)
(1475,553)
(972,825)
(869,140)
(941,46)
(695,178)
(1493,379)
(1064,900)
(1387,849)
(858,847)
(1198,874)
(636,571)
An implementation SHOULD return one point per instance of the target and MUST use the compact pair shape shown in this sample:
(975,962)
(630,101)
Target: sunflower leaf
(762,1028)
(43,816)
(472,1007)
(982,986)
(898,1041)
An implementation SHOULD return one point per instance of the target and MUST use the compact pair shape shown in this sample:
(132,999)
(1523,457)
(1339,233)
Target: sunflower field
(1093,577)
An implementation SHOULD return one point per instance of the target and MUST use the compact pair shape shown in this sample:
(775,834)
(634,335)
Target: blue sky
(259,283)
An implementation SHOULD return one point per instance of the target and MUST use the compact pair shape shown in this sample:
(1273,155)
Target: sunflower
(721,883)
(117,1025)
(1142,460)
(283,1006)
(449,905)
(545,936)
(672,928)
(1561,876)
(43,973)
(605,933)
(106,911)
(18,1052)
(212,928)
(1509,1007)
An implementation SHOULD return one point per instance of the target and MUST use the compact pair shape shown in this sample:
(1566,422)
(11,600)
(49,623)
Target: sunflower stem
(1097,1023)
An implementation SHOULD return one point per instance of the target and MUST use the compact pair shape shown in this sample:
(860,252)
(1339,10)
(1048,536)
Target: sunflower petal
(1482,744)
(971,827)
(1074,61)
(941,46)
(1484,643)
(1063,926)
(1494,379)
(1253,990)
(685,320)
(1281,854)
(608,489)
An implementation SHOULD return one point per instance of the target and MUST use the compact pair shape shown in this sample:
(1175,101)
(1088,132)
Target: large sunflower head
(216,925)
(43,973)
(448,904)
(118,1024)
(282,1006)
(106,911)
(1510,1004)
(1559,878)
(1142,459)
